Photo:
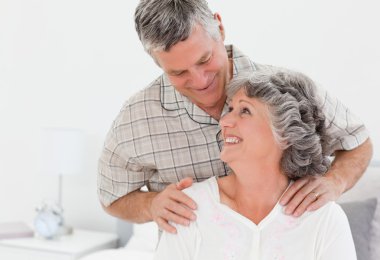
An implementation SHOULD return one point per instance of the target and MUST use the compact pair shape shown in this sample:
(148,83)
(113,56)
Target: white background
(73,64)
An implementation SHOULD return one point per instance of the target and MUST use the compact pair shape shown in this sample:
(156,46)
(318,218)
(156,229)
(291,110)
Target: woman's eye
(245,110)
(230,109)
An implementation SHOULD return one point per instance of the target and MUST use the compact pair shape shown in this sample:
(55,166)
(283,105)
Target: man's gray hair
(162,23)
(298,123)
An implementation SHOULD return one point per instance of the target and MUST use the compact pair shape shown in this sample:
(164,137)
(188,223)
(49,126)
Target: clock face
(47,224)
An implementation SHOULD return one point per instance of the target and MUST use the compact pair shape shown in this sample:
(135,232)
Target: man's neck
(215,111)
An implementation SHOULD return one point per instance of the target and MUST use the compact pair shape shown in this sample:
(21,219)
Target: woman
(273,134)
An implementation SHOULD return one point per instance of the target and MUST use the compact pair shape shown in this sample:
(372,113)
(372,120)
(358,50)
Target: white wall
(334,42)
(73,63)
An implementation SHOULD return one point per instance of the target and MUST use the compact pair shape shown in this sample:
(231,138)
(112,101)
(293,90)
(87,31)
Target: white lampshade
(62,151)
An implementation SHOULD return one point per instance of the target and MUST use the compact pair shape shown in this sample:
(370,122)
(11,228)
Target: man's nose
(199,78)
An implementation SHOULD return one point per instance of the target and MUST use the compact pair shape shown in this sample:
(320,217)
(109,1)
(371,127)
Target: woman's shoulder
(331,208)
(203,191)
(331,213)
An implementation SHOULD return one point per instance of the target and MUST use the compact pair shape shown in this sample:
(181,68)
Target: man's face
(198,68)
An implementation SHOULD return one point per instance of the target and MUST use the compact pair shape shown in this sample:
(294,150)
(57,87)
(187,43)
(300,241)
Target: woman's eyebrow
(246,101)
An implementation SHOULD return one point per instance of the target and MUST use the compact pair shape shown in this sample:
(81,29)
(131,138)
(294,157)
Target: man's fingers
(175,218)
(309,199)
(180,210)
(164,225)
(322,200)
(181,197)
(184,183)
(167,215)
(292,190)
(300,193)
(309,193)
(172,205)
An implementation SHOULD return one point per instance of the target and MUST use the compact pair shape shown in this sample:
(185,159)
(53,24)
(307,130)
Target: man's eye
(206,61)
(176,73)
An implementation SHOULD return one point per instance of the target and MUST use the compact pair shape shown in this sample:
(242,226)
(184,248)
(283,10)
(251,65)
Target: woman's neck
(254,192)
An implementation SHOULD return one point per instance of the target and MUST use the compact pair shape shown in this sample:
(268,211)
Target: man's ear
(221,27)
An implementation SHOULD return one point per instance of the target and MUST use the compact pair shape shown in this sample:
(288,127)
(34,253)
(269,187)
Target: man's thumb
(184,183)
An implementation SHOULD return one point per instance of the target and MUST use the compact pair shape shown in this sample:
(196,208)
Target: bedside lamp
(62,154)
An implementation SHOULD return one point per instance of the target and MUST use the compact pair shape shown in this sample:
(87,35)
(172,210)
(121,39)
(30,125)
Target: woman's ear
(221,27)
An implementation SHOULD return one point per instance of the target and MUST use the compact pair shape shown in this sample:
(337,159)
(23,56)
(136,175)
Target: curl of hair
(298,123)
(160,24)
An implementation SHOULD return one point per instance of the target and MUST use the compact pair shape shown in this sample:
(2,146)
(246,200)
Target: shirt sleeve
(344,128)
(119,169)
(336,238)
(181,246)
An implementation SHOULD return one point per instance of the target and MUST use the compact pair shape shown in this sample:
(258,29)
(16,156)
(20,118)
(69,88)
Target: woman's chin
(225,157)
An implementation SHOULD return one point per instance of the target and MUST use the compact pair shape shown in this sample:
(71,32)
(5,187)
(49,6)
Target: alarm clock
(48,221)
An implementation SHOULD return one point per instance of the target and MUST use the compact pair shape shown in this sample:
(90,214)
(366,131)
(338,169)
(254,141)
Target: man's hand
(173,205)
(310,193)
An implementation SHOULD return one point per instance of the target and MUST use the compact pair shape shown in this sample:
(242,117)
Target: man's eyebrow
(204,57)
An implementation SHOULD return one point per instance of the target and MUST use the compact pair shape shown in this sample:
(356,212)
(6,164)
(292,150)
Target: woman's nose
(227,120)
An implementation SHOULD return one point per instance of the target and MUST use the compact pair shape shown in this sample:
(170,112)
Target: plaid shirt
(160,137)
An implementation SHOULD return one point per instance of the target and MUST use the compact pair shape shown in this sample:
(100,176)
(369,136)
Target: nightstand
(69,247)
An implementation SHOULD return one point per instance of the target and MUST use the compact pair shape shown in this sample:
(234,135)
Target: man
(169,130)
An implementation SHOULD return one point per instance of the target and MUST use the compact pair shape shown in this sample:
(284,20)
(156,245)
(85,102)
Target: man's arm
(170,204)
(311,193)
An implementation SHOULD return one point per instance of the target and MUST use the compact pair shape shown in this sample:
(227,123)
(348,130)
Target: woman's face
(247,132)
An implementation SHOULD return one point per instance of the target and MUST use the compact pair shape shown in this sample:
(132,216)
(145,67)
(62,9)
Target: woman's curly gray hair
(298,123)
